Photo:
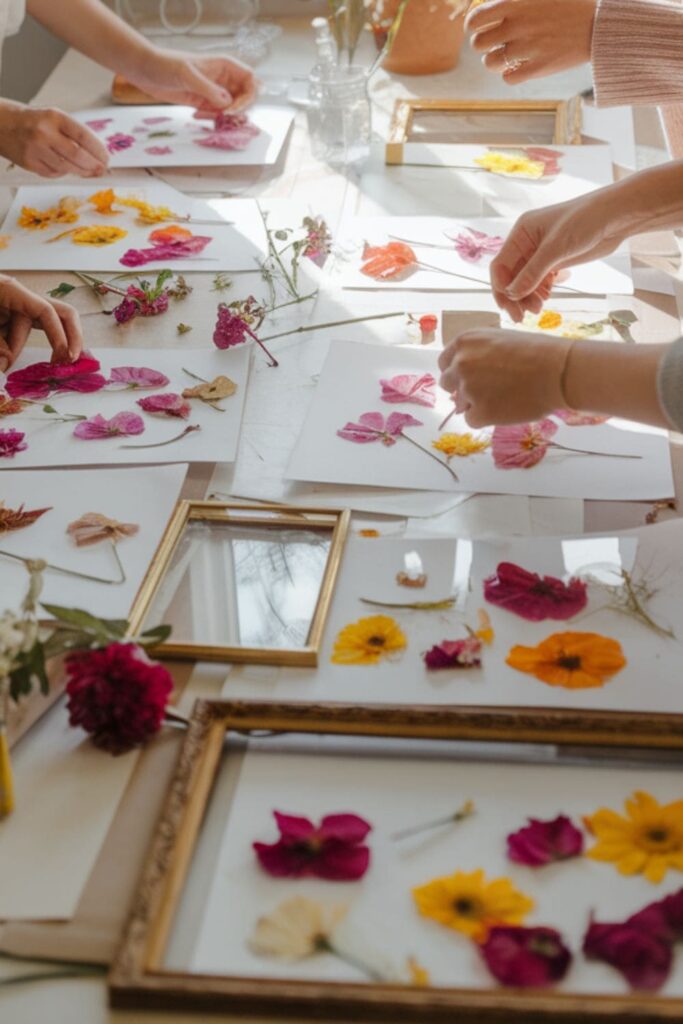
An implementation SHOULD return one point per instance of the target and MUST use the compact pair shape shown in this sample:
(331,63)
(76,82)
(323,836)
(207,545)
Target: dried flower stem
(292,302)
(160,444)
(333,323)
(96,283)
(447,418)
(465,811)
(420,606)
(431,455)
(73,572)
(325,946)
(275,255)
(636,594)
(582,451)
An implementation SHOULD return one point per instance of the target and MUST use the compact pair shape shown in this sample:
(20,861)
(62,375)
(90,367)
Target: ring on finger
(510,65)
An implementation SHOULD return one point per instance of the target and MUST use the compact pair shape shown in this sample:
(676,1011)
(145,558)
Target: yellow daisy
(368,641)
(100,234)
(36,219)
(471,905)
(461,444)
(648,840)
(511,165)
(549,320)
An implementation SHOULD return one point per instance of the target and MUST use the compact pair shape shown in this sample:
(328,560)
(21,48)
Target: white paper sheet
(146,497)
(54,444)
(149,126)
(236,245)
(449,271)
(349,386)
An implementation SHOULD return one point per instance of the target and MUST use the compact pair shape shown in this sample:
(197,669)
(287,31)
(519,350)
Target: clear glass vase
(339,114)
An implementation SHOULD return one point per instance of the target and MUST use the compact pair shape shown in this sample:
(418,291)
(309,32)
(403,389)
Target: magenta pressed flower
(533,597)
(11,442)
(543,842)
(371,426)
(318,240)
(169,404)
(123,424)
(137,378)
(410,387)
(119,141)
(526,957)
(230,131)
(465,653)
(641,956)
(167,249)
(231,329)
(522,445)
(663,918)
(471,245)
(139,302)
(40,380)
(333,850)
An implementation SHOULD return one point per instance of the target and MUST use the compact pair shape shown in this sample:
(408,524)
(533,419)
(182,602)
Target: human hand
(525,39)
(49,142)
(22,309)
(211,84)
(498,376)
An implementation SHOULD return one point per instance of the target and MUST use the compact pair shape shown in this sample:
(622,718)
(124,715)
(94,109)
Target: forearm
(619,380)
(649,200)
(636,52)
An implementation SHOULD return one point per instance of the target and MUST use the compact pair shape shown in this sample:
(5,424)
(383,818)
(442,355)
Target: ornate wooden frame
(567,118)
(333,521)
(139,980)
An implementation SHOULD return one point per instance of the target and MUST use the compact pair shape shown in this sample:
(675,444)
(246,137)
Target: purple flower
(123,424)
(40,380)
(371,426)
(158,150)
(138,303)
(542,842)
(333,850)
(169,404)
(231,329)
(464,653)
(137,377)
(471,247)
(11,442)
(642,957)
(526,957)
(534,597)
(118,142)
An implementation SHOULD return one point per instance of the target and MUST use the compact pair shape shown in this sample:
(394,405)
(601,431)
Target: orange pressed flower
(94,527)
(469,903)
(549,320)
(36,220)
(369,533)
(149,214)
(103,202)
(67,210)
(575,661)
(17,519)
(5,241)
(384,262)
(172,233)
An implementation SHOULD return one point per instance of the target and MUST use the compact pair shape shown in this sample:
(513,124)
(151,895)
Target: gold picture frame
(560,119)
(285,520)
(139,977)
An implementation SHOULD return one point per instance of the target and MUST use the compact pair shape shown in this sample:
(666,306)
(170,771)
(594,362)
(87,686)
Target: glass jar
(339,116)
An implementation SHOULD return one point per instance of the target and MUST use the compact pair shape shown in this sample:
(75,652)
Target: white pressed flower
(297,928)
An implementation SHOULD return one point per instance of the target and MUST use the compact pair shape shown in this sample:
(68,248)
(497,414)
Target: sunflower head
(647,840)
(575,661)
(368,641)
(469,904)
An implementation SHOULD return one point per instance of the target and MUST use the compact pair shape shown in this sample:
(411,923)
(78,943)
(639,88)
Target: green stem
(431,455)
(160,444)
(358,965)
(334,323)
(276,256)
(582,451)
(465,811)
(73,572)
(293,302)
(419,606)
(95,283)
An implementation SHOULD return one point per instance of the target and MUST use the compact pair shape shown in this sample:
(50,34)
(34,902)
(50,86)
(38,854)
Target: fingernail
(4,364)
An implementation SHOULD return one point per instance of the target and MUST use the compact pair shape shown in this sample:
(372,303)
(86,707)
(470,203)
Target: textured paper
(234,246)
(349,386)
(274,123)
(146,497)
(53,444)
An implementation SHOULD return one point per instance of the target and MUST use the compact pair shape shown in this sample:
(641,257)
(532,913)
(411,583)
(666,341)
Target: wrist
(141,62)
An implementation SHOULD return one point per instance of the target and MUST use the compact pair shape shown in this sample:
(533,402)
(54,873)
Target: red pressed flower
(117,695)
(40,380)
(333,850)
(11,442)
(643,957)
(533,597)
(522,445)
(454,654)
(526,957)
(663,919)
(542,842)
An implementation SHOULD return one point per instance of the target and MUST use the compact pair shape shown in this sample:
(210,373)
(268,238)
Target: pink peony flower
(522,445)
(124,424)
(138,303)
(137,378)
(117,695)
(454,654)
(11,442)
(526,957)
(231,329)
(371,426)
(118,142)
(643,957)
(169,404)
(179,249)
(579,419)
(99,124)
(158,150)
(40,380)
(475,244)
(533,597)
(230,132)
(333,850)
(542,842)
(410,387)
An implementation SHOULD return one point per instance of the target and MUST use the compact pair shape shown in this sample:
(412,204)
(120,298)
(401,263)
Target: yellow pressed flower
(471,905)
(149,214)
(648,840)
(103,202)
(461,444)
(512,165)
(5,241)
(99,234)
(484,630)
(419,975)
(549,320)
(368,641)
(36,219)
(67,210)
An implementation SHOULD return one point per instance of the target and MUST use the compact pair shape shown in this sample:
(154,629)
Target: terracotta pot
(429,39)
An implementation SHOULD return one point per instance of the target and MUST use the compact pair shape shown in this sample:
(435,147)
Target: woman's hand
(49,142)
(211,84)
(21,310)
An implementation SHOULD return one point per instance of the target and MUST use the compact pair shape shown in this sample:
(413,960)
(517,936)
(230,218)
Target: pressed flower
(369,533)
(526,957)
(171,233)
(574,661)
(40,380)
(212,391)
(472,245)
(231,328)
(66,211)
(427,324)
(98,124)
(157,151)
(103,201)
(419,976)
(511,164)
(643,958)
(647,840)
(465,653)
(372,426)
(550,158)
(123,424)
(470,904)
(297,928)
(230,132)
(549,320)
(664,918)
(534,597)
(523,445)
(139,302)
(156,119)
(461,444)
(11,442)
(168,404)
(10,406)
(388,262)
(93,527)
(172,242)
(137,378)
(18,518)
(335,849)
(543,842)
(98,234)
(579,419)
(118,142)
(410,387)
(35,219)
(318,243)
(368,641)
(5,241)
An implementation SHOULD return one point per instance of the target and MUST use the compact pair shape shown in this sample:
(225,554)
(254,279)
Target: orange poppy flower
(172,233)
(575,661)
(385,262)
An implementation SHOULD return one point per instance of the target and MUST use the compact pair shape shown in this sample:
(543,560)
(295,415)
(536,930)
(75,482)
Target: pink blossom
(464,653)
(522,445)
(168,404)
(40,380)
(371,426)
(138,303)
(230,131)
(334,850)
(231,329)
(158,150)
(550,158)
(157,119)
(11,442)
(579,419)
(526,957)
(542,842)
(166,250)
(99,124)
(533,597)
(123,424)
(137,377)
(119,141)
(410,387)
(471,247)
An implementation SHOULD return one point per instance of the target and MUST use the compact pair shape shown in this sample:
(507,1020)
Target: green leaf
(31,666)
(282,234)
(166,134)
(183,328)
(62,289)
(103,629)
(50,409)
(158,635)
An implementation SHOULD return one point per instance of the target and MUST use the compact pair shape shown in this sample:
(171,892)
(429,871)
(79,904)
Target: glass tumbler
(339,116)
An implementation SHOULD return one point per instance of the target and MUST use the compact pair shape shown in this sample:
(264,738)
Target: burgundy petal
(341,863)
(643,959)
(294,829)
(347,828)
(526,957)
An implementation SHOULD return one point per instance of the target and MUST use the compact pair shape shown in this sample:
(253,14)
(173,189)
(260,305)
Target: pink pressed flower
(99,124)
(641,956)
(371,426)
(579,419)
(230,131)
(11,442)
(231,329)
(166,250)
(318,240)
(137,378)
(526,957)
(157,119)
(158,150)
(138,303)
(472,246)
(169,404)
(333,850)
(542,842)
(410,387)
(119,141)
(464,653)
(124,424)
(521,445)
(533,597)
(550,158)
(40,380)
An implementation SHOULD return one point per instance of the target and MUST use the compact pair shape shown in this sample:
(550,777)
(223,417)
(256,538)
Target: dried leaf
(212,391)
(93,527)
(17,519)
